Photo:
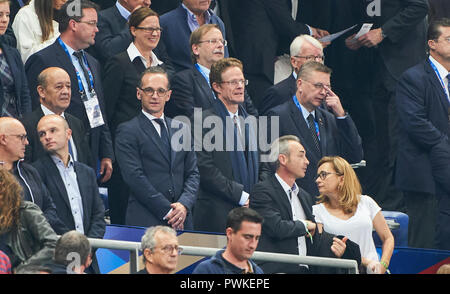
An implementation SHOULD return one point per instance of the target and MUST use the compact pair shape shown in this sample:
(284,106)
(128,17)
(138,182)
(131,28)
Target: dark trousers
(422,211)
(118,192)
(443,222)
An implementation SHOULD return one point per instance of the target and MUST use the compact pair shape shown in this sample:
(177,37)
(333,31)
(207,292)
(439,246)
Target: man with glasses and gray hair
(160,250)
(304,48)
(315,115)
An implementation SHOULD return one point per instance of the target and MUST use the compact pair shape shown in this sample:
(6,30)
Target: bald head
(13,139)
(54,134)
(54,89)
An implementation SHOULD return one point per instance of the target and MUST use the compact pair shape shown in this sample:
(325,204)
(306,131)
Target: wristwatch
(383,34)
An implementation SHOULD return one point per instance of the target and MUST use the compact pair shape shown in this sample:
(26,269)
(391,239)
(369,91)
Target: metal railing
(134,247)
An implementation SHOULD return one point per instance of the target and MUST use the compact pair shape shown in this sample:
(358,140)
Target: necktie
(164,136)
(448,86)
(79,56)
(312,129)
(71,150)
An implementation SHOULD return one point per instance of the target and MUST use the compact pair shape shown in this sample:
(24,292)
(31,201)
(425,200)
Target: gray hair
(299,41)
(281,146)
(70,243)
(148,240)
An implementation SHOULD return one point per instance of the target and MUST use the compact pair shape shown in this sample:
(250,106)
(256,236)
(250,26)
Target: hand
(372,38)
(177,216)
(374,267)
(333,102)
(247,203)
(311,226)
(321,34)
(352,44)
(338,247)
(106,169)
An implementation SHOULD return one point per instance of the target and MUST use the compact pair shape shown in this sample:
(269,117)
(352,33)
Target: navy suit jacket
(337,137)
(34,150)
(155,181)
(54,55)
(176,34)
(423,158)
(23,99)
(278,94)
(190,89)
(93,209)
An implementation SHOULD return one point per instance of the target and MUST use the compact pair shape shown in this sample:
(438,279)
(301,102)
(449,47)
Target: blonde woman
(34,26)
(342,210)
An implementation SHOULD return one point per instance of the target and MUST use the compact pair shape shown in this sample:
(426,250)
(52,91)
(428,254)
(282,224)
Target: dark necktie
(312,130)
(164,135)
(448,86)
(79,56)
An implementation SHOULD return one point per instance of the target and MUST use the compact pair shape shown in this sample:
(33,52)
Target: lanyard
(440,79)
(206,78)
(80,83)
(316,125)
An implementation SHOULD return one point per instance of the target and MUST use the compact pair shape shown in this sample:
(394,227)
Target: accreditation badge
(93,111)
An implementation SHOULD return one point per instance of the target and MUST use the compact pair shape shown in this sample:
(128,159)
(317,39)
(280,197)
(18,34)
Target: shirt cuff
(244,198)
(310,31)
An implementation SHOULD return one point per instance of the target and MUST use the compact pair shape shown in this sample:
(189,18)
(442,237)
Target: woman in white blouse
(34,26)
(342,210)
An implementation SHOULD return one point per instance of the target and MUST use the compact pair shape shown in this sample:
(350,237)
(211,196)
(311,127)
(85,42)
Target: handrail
(135,247)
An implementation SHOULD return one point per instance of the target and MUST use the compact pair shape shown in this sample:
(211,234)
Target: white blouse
(28,32)
(358,228)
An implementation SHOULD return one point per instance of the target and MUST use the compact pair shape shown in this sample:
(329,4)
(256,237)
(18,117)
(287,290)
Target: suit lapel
(171,131)
(55,176)
(437,85)
(281,197)
(83,192)
(14,70)
(205,88)
(321,122)
(148,128)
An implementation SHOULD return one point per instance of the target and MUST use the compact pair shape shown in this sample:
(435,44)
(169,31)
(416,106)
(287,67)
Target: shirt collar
(192,19)
(123,11)
(133,52)
(233,114)
(305,112)
(205,70)
(47,111)
(151,117)
(441,69)
(285,186)
(58,161)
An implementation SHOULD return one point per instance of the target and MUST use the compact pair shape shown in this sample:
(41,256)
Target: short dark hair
(67,12)
(154,70)
(434,30)
(72,242)
(239,214)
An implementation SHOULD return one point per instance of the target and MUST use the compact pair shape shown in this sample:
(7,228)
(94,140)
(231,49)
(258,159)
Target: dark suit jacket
(23,99)
(54,55)
(93,209)
(278,94)
(155,182)
(34,150)
(423,110)
(219,190)
(176,34)
(120,81)
(190,89)
(438,9)
(280,232)
(114,37)
(337,137)
(260,30)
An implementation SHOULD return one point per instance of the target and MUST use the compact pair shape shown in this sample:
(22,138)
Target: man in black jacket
(13,139)
(289,225)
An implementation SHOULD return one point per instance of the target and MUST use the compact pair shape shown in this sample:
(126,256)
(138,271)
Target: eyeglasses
(22,138)
(311,57)
(159,92)
(168,249)
(150,29)
(236,83)
(215,42)
(92,23)
(318,86)
(323,175)
(447,39)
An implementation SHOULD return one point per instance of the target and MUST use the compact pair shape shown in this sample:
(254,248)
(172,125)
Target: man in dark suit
(177,27)
(87,102)
(163,179)
(72,185)
(191,87)
(438,9)
(304,48)
(423,161)
(395,43)
(228,164)
(54,92)
(262,30)
(289,225)
(322,132)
